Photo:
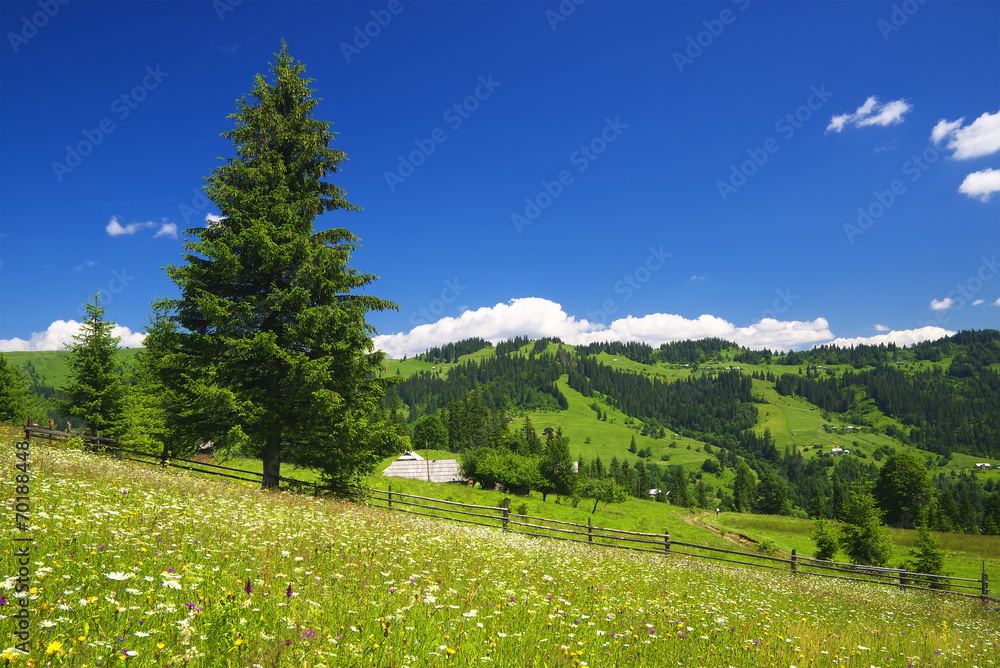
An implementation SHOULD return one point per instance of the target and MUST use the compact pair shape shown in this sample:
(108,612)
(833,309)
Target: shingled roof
(412,465)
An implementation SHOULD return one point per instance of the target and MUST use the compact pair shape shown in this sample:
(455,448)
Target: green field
(143,566)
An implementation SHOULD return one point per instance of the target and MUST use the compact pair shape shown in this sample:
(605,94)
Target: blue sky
(781,174)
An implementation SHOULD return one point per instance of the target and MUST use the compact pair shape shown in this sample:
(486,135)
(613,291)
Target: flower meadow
(134,565)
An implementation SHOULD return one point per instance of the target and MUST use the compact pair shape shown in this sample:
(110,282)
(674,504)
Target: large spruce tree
(271,354)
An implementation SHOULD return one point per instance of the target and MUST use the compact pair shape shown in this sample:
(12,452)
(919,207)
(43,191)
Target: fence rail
(102,445)
(540,527)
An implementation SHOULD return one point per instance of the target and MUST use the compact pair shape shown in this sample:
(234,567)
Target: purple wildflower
(288,592)
(248,588)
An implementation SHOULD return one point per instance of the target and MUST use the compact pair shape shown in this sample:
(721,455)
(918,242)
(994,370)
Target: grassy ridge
(52,366)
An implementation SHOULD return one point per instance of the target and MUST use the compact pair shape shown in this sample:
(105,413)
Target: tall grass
(136,565)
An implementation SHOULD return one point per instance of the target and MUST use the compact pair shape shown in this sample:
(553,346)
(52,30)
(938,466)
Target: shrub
(766,546)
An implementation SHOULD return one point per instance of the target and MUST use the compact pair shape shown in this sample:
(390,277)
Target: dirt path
(737,538)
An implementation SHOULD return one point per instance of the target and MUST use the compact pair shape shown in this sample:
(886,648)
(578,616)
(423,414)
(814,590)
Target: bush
(766,546)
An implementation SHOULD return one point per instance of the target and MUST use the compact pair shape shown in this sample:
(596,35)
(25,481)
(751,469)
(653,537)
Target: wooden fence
(107,446)
(540,527)
(501,517)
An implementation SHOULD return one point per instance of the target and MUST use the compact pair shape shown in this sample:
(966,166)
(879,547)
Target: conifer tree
(927,557)
(277,357)
(96,390)
(555,467)
(13,392)
(824,539)
(862,537)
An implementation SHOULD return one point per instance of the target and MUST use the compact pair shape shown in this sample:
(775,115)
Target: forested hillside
(936,401)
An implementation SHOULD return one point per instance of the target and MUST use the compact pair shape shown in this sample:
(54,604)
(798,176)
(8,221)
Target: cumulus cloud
(212,219)
(167,230)
(85,265)
(871,113)
(977,302)
(981,185)
(979,138)
(996,303)
(115,229)
(904,337)
(535,317)
(942,304)
(529,316)
(696,278)
(60,334)
(881,328)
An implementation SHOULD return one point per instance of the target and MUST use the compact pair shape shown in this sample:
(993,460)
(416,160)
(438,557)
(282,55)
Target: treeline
(674,352)
(714,409)
(505,381)
(452,351)
(980,345)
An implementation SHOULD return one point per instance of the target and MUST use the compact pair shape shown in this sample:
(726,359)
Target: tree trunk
(272,462)
(595,507)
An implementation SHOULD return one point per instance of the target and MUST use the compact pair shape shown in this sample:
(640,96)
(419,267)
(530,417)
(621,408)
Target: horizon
(782,175)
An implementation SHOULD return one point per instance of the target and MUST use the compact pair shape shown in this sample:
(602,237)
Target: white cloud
(977,302)
(116,229)
(60,333)
(167,230)
(904,337)
(213,219)
(981,185)
(871,113)
(85,265)
(942,304)
(698,278)
(529,316)
(881,328)
(535,317)
(996,303)
(981,137)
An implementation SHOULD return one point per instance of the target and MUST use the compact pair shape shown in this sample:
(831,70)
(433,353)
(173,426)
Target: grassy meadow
(134,565)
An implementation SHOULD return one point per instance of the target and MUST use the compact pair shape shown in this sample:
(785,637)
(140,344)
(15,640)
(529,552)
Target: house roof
(412,465)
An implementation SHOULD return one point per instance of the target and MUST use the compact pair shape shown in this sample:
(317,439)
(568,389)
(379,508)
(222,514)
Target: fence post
(986,583)
(506,512)
(795,568)
(390,497)
(666,541)
(590,531)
